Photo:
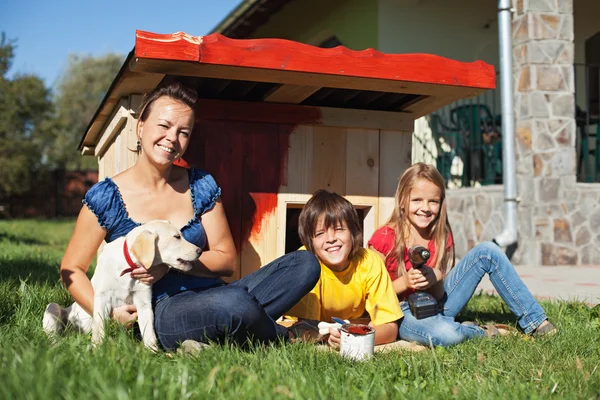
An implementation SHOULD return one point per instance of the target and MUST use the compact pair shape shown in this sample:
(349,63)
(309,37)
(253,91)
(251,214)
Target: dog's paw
(55,319)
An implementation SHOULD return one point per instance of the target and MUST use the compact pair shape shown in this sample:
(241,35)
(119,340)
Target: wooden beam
(116,124)
(170,67)
(292,94)
(304,115)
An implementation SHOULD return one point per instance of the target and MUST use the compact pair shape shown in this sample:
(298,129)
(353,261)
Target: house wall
(464,30)
(354,22)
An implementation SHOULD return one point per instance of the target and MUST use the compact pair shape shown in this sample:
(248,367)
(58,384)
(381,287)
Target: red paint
(266,204)
(285,55)
(246,159)
(359,329)
(259,112)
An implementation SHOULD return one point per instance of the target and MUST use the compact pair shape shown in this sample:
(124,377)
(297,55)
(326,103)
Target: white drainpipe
(509,235)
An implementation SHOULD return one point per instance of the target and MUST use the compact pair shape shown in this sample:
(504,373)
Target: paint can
(357,341)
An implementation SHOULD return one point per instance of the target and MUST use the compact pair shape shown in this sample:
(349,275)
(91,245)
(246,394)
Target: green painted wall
(354,22)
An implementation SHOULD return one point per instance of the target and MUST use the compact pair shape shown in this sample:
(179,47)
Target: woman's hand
(150,276)
(421,279)
(125,315)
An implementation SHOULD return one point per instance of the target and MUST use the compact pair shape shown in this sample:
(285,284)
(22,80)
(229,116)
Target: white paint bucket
(357,341)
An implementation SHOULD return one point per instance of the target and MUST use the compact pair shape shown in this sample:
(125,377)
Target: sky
(47,31)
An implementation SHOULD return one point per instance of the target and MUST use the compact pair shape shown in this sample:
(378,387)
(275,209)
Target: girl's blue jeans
(459,285)
(242,310)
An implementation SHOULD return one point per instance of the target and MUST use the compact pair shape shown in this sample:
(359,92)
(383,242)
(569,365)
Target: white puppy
(154,243)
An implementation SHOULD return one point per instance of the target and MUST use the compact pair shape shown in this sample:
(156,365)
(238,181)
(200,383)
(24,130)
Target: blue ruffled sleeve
(205,191)
(104,200)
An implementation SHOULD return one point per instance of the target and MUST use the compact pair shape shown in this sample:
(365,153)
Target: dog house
(278,120)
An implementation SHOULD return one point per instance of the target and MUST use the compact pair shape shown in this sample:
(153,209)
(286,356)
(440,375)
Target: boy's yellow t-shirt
(347,294)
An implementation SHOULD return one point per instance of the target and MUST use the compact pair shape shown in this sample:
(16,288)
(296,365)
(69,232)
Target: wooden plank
(114,127)
(261,177)
(329,159)
(362,162)
(300,160)
(394,159)
(131,143)
(292,94)
(296,115)
(221,156)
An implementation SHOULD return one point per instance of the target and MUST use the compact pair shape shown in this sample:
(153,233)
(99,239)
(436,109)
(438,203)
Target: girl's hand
(150,276)
(125,315)
(335,338)
(421,279)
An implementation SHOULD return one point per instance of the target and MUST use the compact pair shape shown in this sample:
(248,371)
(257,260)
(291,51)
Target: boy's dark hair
(336,210)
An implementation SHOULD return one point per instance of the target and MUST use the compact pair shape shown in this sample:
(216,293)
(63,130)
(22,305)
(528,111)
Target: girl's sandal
(546,328)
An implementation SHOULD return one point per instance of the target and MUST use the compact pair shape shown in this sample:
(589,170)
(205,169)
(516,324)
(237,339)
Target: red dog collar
(130,262)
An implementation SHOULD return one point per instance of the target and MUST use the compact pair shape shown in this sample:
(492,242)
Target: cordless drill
(422,304)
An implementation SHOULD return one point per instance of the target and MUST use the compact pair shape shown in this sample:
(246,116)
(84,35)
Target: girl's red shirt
(384,241)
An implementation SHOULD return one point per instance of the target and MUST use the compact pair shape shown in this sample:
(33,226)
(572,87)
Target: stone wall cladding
(566,231)
(543,72)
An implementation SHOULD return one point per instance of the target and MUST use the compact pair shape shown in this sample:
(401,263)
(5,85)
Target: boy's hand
(333,330)
(335,338)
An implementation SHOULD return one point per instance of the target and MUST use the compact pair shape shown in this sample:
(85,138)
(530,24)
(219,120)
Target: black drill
(422,304)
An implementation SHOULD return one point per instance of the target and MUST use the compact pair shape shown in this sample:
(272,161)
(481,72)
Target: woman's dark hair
(335,210)
(174,90)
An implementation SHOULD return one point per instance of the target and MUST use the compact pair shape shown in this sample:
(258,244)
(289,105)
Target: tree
(79,93)
(25,107)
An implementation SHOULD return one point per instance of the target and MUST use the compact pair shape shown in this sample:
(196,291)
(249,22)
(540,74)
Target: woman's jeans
(459,285)
(242,310)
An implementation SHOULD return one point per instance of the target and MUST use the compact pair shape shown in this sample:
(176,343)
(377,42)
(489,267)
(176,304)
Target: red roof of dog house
(283,71)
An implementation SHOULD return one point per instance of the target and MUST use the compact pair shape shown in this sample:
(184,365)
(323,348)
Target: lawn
(563,366)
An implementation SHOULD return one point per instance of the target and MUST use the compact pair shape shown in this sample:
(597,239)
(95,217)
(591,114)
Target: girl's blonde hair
(440,228)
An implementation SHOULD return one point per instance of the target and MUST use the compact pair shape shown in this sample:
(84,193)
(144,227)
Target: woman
(197,305)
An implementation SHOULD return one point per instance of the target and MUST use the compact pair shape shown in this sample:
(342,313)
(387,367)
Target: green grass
(564,366)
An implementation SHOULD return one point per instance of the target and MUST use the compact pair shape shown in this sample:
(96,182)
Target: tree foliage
(39,131)
(79,93)
(25,107)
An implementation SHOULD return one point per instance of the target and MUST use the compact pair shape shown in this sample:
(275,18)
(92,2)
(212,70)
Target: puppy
(151,244)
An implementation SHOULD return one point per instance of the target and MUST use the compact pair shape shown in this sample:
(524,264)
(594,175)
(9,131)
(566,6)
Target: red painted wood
(276,113)
(285,55)
(248,162)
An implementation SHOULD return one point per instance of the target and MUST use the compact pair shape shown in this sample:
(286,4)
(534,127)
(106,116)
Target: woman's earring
(139,146)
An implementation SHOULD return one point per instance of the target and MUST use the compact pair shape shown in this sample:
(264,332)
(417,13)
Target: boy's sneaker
(191,347)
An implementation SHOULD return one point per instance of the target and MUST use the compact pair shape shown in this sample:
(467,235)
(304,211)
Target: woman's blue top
(105,201)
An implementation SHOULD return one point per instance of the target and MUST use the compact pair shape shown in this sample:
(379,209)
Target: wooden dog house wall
(278,120)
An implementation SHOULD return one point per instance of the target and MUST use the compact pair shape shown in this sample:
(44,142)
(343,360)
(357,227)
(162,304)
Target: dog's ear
(144,247)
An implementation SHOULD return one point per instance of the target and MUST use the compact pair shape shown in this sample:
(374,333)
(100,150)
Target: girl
(353,279)
(420,218)
(196,306)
